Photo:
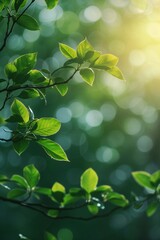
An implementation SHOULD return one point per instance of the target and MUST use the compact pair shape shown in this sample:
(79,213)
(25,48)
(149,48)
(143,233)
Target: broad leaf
(16,193)
(32,175)
(18,108)
(89,180)
(104,189)
(29,93)
(51,3)
(143,179)
(155,177)
(54,150)
(83,48)
(117,199)
(36,77)
(87,75)
(28,22)
(47,126)
(20,146)
(105,61)
(152,208)
(62,89)
(25,62)
(58,187)
(116,72)
(20,180)
(67,51)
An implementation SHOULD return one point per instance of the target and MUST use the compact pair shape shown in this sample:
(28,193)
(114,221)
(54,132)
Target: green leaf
(29,93)
(28,22)
(10,70)
(20,146)
(104,189)
(19,4)
(16,193)
(87,75)
(152,208)
(143,179)
(20,180)
(51,3)
(43,191)
(70,199)
(117,199)
(67,51)
(53,213)
(89,180)
(94,57)
(93,209)
(35,76)
(32,175)
(47,126)
(25,62)
(116,72)
(105,61)
(83,48)
(18,108)
(49,236)
(155,177)
(54,150)
(58,187)
(62,89)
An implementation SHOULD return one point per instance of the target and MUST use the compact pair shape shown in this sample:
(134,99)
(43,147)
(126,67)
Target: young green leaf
(83,48)
(58,187)
(53,213)
(32,175)
(46,126)
(16,193)
(105,61)
(89,180)
(67,51)
(116,72)
(20,181)
(62,89)
(155,177)
(29,93)
(10,70)
(152,208)
(49,236)
(54,150)
(18,108)
(143,179)
(87,75)
(93,209)
(19,4)
(104,189)
(20,146)
(28,22)
(25,63)
(35,76)
(51,3)
(43,191)
(117,199)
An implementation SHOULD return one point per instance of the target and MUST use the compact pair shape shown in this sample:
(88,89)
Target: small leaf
(49,236)
(32,175)
(58,187)
(36,77)
(19,4)
(62,89)
(20,180)
(54,150)
(67,51)
(43,191)
(51,3)
(89,180)
(87,75)
(47,126)
(93,209)
(116,72)
(53,213)
(29,93)
(83,48)
(155,177)
(152,208)
(20,146)
(105,61)
(117,199)
(104,189)
(70,199)
(143,179)
(25,62)
(18,108)
(28,22)
(16,193)
(10,70)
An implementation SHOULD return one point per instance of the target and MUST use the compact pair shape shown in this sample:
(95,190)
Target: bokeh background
(112,127)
